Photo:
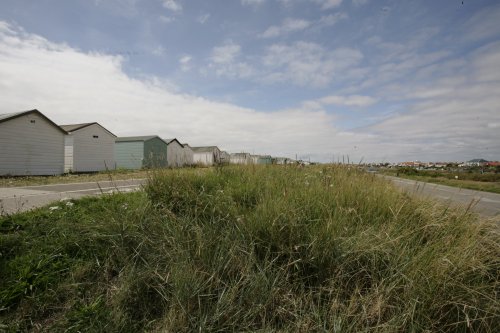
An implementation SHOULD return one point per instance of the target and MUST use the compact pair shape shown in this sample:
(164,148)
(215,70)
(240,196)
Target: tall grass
(271,249)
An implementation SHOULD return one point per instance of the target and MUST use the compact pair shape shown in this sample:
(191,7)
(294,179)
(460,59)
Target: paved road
(21,199)
(485,203)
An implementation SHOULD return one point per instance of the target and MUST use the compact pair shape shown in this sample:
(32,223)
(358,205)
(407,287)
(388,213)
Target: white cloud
(332,19)
(305,63)
(252,2)
(185,62)
(166,19)
(203,18)
(483,24)
(158,51)
(328,4)
(359,2)
(172,5)
(226,53)
(287,26)
(290,25)
(352,100)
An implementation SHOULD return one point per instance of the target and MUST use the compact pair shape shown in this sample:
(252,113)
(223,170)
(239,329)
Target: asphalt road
(484,203)
(21,199)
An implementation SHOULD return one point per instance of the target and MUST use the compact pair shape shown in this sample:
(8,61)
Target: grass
(267,249)
(479,182)
(72,178)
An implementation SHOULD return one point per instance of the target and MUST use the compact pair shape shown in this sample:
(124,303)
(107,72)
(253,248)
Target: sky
(325,80)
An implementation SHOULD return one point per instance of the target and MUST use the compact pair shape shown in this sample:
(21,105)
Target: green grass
(268,249)
(73,178)
(476,181)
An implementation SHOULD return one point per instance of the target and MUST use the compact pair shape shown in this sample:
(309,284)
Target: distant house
(88,147)
(187,154)
(240,158)
(265,159)
(254,159)
(411,164)
(209,155)
(476,162)
(493,164)
(30,144)
(175,151)
(225,157)
(281,160)
(137,152)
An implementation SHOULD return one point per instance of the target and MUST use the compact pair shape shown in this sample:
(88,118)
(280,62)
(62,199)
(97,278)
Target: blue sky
(375,80)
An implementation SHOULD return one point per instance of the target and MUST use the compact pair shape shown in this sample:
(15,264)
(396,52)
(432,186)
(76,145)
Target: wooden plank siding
(129,155)
(93,149)
(31,145)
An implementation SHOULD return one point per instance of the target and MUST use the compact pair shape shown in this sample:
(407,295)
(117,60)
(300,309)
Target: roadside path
(485,203)
(21,199)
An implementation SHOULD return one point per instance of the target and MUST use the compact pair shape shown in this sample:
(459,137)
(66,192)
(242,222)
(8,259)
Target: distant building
(265,159)
(282,160)
(30,144)
(175,151)
(187,154)
(254,159)
(209,155)
(476,162)
(240,158)
(411,164)
(88,147)
(225,157)
(137,152)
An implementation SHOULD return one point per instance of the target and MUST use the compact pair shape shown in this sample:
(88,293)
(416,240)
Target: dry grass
(268,249)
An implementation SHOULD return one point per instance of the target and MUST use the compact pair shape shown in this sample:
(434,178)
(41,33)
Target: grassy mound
(250,249)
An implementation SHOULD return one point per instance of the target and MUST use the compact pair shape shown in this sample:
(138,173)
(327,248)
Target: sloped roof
(138,138)
(6,116)
(204,149)
(169,141)
(76,127)
(9,116)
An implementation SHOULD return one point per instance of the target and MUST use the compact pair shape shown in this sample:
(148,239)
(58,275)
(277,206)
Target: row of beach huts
(32,144)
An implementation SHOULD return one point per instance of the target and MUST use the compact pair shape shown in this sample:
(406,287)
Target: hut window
(32,121)
(95,136)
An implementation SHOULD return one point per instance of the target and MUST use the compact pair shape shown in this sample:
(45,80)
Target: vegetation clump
(274,249)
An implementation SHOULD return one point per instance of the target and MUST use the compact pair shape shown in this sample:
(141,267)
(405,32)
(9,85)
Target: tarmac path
(21,199)
(484,203)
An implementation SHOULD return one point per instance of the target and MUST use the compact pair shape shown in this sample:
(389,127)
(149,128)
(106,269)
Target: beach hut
(175,152)
(225,157)
(88,147)
(187,154)
(240,158)
(30,144)
(137,152)
(265,159)
(209,155)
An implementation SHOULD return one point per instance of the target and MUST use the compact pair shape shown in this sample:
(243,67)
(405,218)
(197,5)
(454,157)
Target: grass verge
(73,178)
(268,249)
(489,183)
